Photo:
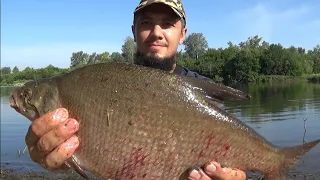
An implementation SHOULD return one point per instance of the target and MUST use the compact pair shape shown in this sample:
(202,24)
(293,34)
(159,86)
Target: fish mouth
(13,102)
(31,113)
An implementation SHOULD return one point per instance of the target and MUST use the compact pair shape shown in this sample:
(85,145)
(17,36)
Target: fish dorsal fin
(213,91)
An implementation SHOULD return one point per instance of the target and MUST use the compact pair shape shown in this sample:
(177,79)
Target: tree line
(249,61)
(15,76)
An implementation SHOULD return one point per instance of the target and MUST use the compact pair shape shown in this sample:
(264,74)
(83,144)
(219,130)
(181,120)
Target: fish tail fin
(292,156)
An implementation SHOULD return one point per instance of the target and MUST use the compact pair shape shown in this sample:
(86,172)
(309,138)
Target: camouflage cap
(176,6)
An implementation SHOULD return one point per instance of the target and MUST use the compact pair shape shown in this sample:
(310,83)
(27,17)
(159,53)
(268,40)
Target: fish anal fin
(215,90)
(71,162)
(276,176)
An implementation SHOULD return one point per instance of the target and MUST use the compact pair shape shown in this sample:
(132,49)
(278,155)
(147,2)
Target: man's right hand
(51,140)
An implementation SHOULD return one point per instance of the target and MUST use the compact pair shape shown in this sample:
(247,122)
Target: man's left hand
(214,171)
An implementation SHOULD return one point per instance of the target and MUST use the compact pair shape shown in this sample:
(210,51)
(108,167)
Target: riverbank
(15,83)
(9,174)
(314,78)
(279,78)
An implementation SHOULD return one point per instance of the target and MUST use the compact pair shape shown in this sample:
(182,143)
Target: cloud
(38,56)
(295,25)
(255,20)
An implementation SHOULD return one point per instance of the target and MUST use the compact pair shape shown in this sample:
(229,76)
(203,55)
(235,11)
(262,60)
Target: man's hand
(51,141)
(214,171)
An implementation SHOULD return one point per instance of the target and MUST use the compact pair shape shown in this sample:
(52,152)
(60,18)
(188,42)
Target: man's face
(158,31)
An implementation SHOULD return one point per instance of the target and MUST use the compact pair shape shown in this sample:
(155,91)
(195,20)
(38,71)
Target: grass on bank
(315,78)
(274,78)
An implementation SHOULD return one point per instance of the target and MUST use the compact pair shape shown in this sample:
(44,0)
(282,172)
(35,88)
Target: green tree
(15,69)
(229,54)
(246,66)
(271,60)
(212,63)
(195,45)
(5,70)
(252,42)
(28,73)
(315,57)
(105,57)
(93,58)
(116,56)
(292,63)
(79,59)
(128,49)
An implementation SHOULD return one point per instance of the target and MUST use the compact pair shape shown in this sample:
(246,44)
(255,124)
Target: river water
(278,111)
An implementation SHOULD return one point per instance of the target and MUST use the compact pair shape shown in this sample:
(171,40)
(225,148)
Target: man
(159,27)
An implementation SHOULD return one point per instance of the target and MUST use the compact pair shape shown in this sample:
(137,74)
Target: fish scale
(143,123)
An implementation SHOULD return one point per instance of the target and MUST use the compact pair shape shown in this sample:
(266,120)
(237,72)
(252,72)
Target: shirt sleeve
(186,72)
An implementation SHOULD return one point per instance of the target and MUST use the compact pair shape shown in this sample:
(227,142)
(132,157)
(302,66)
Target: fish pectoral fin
(214,102)
(71,162)
(216,91)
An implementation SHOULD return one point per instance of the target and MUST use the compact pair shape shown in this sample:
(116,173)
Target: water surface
(286,114)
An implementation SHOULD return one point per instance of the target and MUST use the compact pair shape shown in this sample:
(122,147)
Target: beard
(154,61)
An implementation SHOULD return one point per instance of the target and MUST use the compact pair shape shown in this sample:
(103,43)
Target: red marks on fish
(154,95)
(139,156)
(211,147)
(208,143)
(205,149)
(139,118)
(209,140)
(227,148)
(223,150)
(201,154)
(131,169)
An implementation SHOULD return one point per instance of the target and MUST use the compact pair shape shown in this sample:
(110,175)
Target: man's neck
(173,67)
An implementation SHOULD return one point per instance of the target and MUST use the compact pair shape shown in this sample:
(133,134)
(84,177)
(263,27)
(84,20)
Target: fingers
(64,151)
(44,124)
(198,174)
(58,135)
(50,139)
(213,170)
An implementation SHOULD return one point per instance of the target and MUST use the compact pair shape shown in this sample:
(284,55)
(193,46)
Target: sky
(37,33)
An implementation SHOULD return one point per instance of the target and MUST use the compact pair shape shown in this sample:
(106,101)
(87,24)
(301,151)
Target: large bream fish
(143,123)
